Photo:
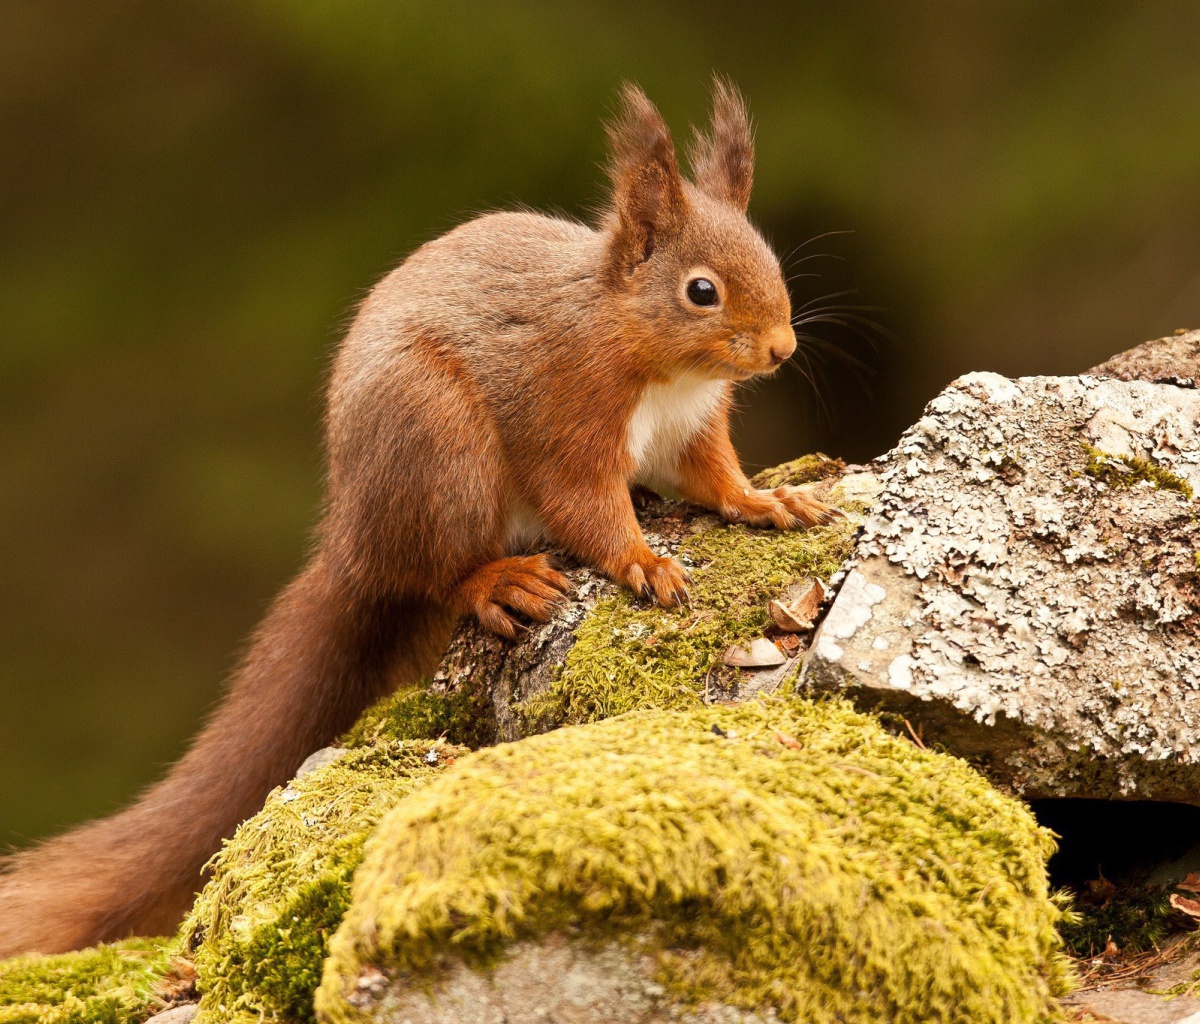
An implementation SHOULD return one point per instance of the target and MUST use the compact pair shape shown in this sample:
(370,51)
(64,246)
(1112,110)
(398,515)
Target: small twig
(1094,971)
(915,738)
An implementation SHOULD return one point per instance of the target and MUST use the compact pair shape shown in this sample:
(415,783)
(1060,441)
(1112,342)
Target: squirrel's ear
(723,162)
(648,200)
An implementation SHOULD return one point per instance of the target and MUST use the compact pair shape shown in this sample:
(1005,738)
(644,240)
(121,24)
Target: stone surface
(1133,1006)
(1034,603)
(319,759)
(182,1014)
(555,980)
(1176,969)
(1174,359)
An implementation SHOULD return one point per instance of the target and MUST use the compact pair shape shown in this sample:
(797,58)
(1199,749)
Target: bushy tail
(321,655)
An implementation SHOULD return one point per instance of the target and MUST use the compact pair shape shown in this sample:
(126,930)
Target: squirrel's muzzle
(781,343)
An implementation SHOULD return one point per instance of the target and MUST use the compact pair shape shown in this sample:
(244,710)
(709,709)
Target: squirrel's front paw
(785,508)
(661,578)
(500,593)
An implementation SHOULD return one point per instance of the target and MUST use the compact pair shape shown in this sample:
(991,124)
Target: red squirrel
(509,381)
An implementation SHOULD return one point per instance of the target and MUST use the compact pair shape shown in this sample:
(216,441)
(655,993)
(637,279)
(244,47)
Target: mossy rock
(606,651)
(1124,472)
(781,856)
(120,983)
(280,887)
(677,846)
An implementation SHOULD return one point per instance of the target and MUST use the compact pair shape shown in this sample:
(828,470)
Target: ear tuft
(648,196)
(723,162)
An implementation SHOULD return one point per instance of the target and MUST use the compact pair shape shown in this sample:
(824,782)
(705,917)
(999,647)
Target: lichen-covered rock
(122,982)
(776,858)
(1028,585)
(1171,360)
(279,888)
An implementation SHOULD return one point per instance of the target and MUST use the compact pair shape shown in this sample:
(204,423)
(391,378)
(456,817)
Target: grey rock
(1149,1004)
(181,1014)
(554,980)
(1132,1006)
(319,759)
(1028,613)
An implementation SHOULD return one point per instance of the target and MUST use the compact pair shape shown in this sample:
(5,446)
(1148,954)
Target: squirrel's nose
(782,342)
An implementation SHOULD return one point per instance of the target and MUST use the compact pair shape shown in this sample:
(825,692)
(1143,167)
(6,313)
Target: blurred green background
(194,194)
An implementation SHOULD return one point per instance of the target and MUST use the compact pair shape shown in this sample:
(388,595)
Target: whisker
(819,256)
(787,259)
(864,328)
(831,295)
(808,374)
(820,345)
(825,234)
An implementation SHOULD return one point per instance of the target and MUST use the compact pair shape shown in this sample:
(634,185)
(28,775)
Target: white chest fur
(667,417)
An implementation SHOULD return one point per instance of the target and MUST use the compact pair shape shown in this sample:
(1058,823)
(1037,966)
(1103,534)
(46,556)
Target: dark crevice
(1133,842)
(1121,861)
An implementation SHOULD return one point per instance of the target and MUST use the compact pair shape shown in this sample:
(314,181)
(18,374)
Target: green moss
(111,984)
(417,713)
(801,858)
(628,655)
(1121,472)
(1136,918)
(804,470)
(279,888)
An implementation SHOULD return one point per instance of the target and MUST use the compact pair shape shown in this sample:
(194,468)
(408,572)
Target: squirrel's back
(498,271)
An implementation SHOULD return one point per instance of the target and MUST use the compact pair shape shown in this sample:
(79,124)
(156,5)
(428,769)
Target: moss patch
(280,887)
(805,470)
(1135,917)
(628,656)
(1122,472)
(417,713)
(111,984)
(799,858)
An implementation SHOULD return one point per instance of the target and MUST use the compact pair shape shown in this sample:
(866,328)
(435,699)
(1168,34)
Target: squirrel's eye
(702,292)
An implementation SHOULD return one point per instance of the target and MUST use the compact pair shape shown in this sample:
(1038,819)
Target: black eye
(702,292)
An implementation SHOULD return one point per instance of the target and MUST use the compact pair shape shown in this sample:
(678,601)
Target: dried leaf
(760,653)
(790,644)
(1182,903)
(797,614)
(786,619)
(786,740)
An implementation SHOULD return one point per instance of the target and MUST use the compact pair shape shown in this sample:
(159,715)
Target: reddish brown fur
(490,379)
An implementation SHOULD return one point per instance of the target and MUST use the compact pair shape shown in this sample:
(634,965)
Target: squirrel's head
(682,254)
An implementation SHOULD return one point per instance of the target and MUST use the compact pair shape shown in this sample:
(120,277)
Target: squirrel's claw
(659,578)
